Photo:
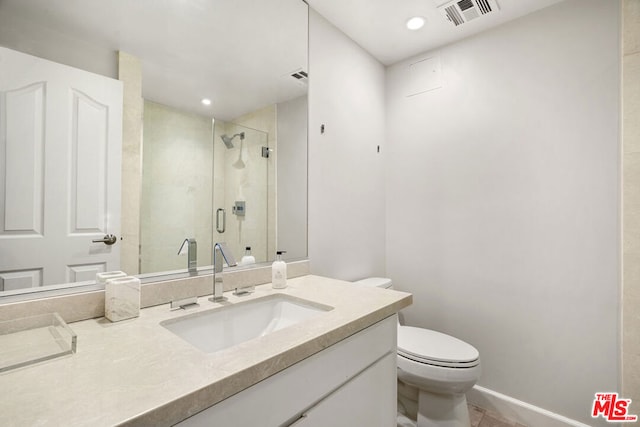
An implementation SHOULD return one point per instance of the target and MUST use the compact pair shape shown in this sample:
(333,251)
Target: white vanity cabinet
(363,401)
(351,383)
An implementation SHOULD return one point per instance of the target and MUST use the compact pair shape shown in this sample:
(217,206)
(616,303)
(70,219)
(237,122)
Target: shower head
(228,140)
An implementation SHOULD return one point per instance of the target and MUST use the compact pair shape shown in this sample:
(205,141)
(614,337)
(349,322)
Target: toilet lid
(377,282)
(424,345)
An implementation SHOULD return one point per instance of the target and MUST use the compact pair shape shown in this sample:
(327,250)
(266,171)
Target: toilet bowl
(435,371)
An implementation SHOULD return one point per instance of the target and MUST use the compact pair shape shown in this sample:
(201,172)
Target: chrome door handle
(224,220)
(109,239)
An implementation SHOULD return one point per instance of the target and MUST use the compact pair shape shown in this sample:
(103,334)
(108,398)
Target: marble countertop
(137,373)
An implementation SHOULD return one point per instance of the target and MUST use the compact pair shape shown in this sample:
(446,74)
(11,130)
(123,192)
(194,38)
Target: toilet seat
(437,379)
(435,348)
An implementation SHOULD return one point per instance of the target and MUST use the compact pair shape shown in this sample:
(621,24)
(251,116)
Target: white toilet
(434,373)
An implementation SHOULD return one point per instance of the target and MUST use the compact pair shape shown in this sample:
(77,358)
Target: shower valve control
(239,208)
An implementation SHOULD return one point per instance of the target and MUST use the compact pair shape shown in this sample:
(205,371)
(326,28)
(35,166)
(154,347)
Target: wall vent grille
(459,12)
(300,75)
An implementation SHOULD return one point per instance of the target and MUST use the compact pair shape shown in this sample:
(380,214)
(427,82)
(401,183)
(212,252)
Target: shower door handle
(220,229)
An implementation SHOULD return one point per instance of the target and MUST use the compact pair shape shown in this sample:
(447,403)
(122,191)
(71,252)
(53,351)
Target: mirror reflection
(233,171)
(177,184)
(243,198)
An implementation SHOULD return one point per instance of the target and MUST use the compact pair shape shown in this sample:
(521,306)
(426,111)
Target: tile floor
(484,418)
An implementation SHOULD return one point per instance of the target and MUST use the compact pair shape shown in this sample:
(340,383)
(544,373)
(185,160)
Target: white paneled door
(60,154)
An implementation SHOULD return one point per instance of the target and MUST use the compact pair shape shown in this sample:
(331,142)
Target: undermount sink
(220,328)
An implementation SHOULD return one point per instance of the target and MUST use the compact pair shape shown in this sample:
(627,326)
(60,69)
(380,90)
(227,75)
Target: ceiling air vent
(461,11)
(300,75)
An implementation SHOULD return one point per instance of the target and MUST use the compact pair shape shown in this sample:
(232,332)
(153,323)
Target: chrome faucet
(190,247)
(221,254)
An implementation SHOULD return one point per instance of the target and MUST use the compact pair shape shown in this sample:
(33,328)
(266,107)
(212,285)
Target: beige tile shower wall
(130,73)
(176,187)
(265,120)
(631,204)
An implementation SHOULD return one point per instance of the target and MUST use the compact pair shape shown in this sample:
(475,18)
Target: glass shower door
(241,189)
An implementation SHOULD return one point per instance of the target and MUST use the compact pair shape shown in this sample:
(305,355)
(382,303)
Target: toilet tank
(379,282)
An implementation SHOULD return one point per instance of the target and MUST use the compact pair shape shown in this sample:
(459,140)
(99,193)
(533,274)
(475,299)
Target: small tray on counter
(34,339)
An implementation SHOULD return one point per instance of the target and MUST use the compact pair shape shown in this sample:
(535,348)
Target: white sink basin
(224,327)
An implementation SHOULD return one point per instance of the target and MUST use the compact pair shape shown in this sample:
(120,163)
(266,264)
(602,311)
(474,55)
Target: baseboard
(517,410)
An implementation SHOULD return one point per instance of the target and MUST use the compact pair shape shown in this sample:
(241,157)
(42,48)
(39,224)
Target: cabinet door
(367,400)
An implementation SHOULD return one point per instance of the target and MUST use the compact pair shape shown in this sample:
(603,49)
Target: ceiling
(238,53)
(379,27)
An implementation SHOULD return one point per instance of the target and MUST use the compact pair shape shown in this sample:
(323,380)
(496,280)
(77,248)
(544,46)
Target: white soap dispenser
(247,259)
(279,272)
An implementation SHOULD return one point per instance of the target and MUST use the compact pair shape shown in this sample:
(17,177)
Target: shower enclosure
(242,194)
(183,188)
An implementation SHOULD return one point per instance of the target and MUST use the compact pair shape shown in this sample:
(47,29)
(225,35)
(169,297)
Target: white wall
(30,37)
(502,202)
(292,177)
(346,177)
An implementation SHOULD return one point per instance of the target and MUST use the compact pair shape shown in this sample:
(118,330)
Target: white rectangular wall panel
(89,157)
(13,280)
(424,75)
(21,167)
(82,273)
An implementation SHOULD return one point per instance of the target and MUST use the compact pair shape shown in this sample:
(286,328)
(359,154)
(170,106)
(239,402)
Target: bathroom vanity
(139,373)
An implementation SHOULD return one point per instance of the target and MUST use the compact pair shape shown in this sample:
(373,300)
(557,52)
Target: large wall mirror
(220,152)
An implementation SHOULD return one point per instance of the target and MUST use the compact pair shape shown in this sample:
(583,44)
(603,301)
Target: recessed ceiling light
(415,23)
(206,101)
